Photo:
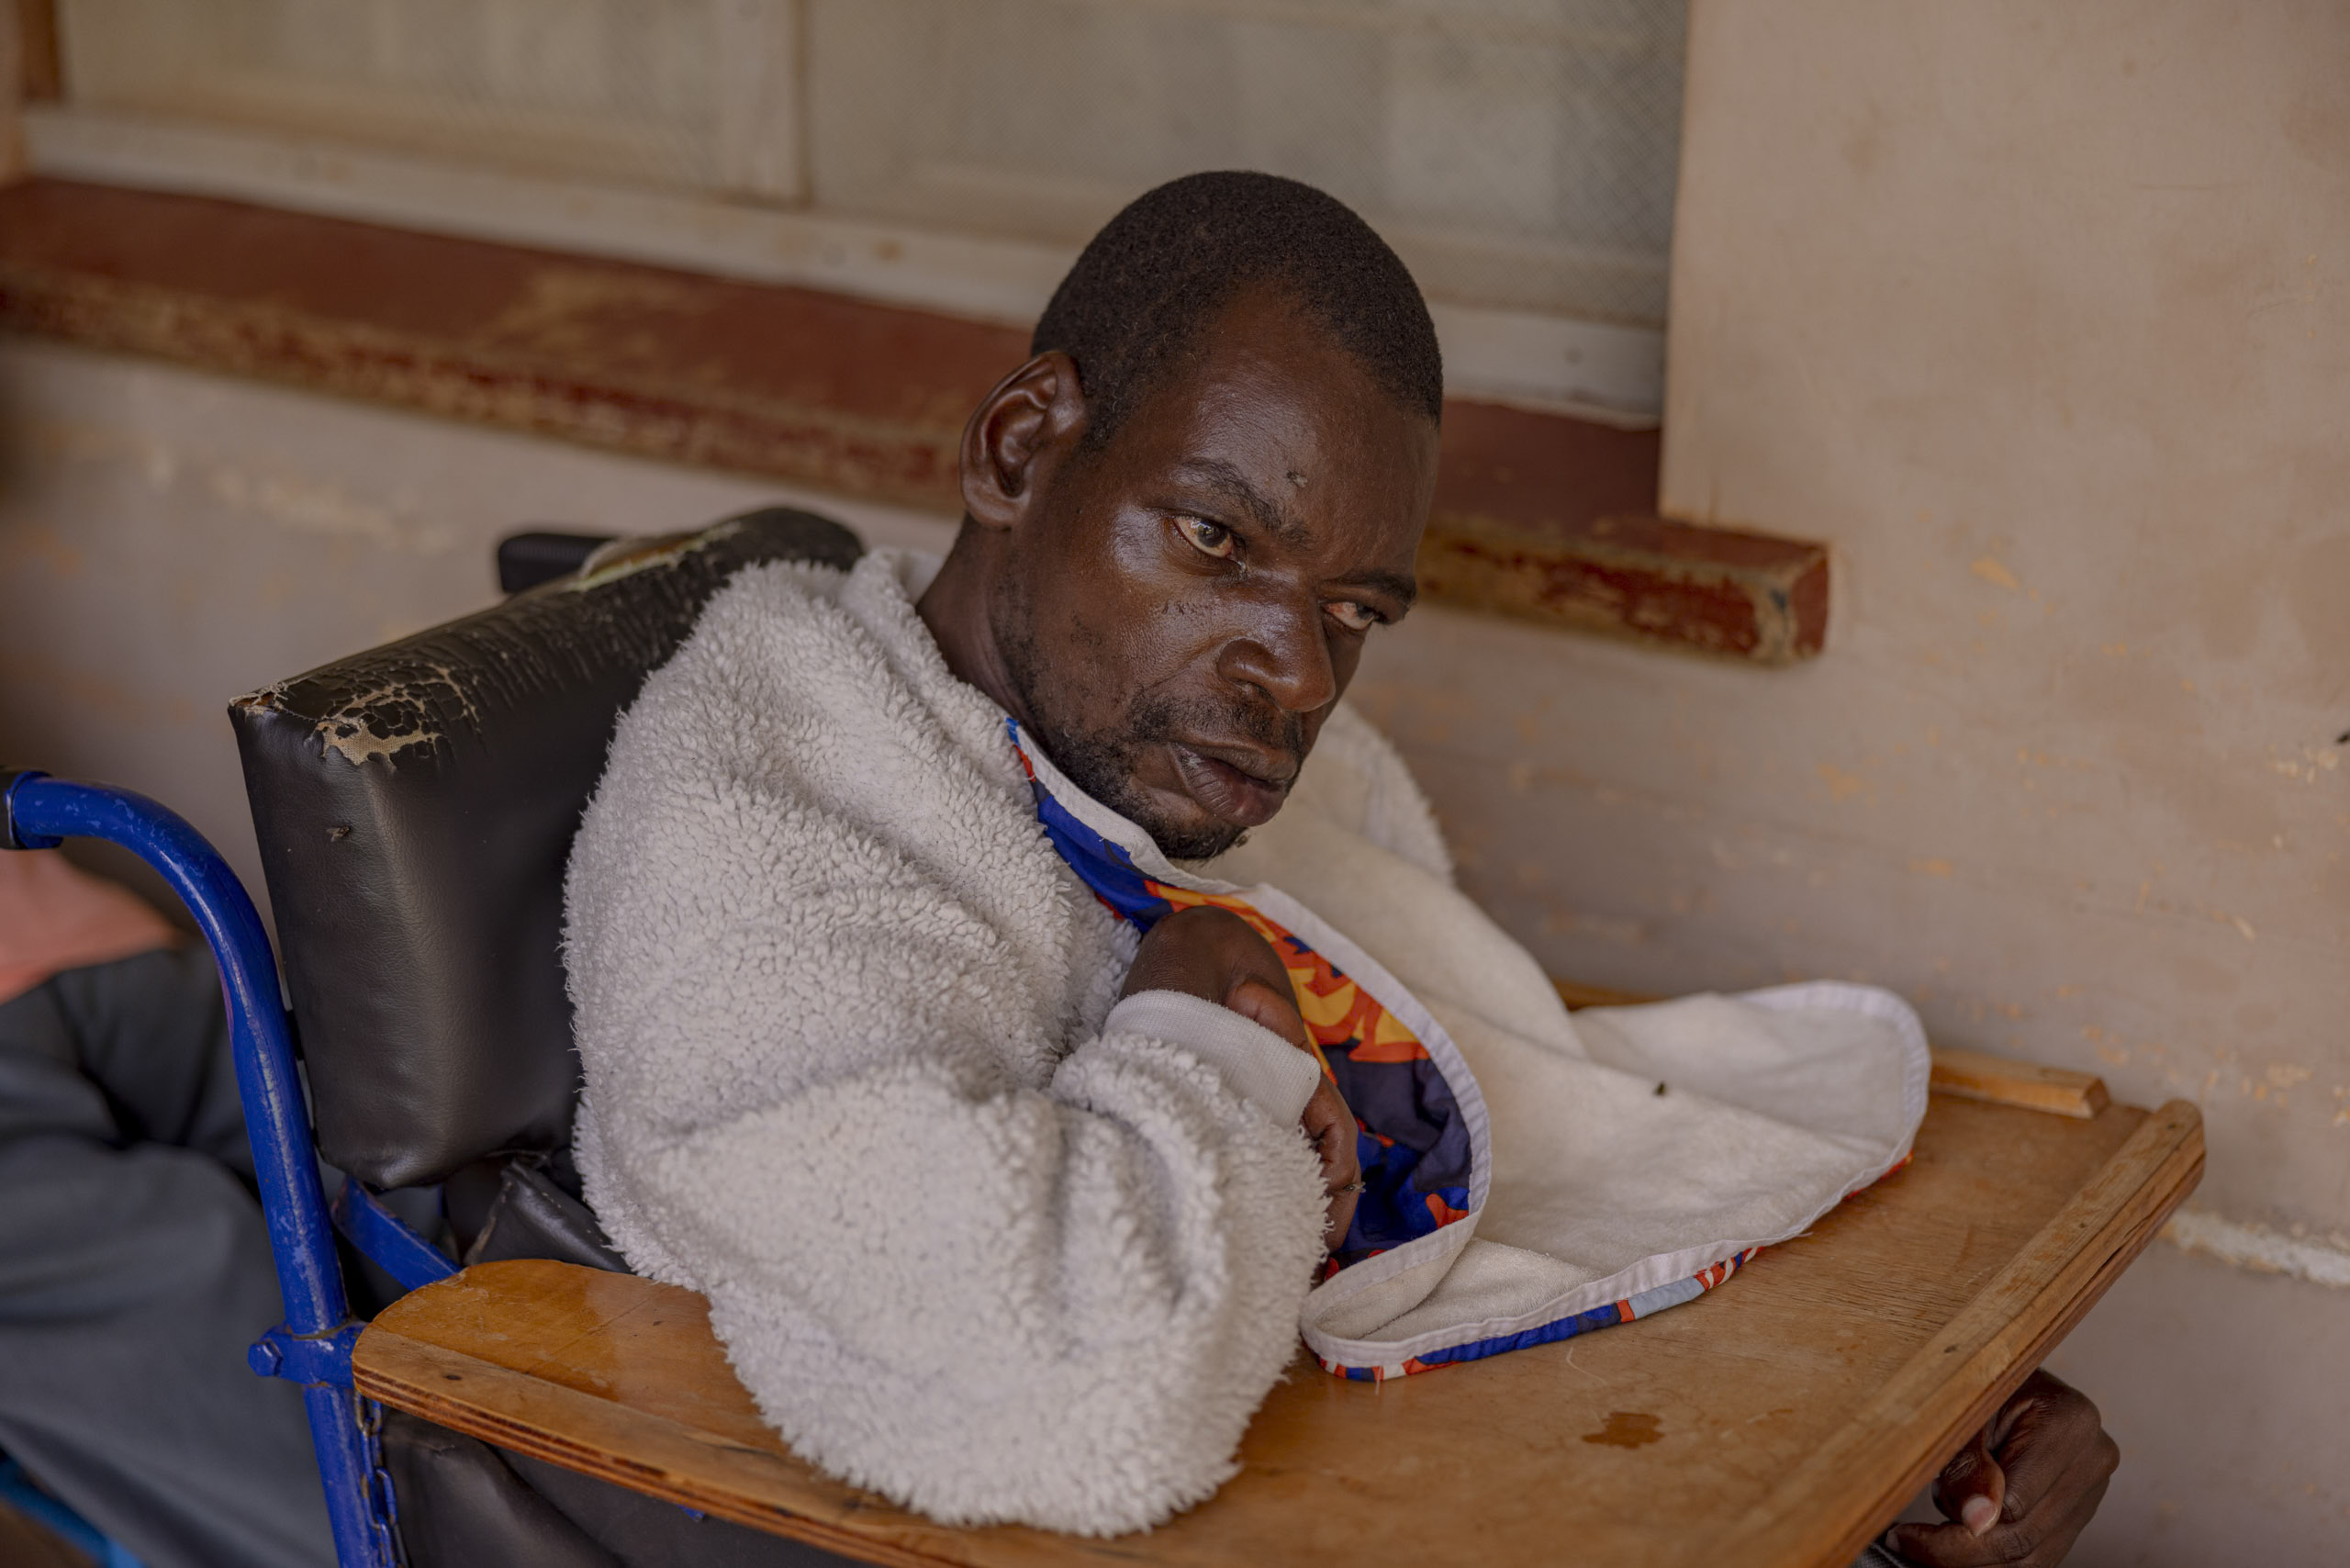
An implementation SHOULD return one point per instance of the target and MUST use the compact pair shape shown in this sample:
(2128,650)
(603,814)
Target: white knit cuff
(1260,1067)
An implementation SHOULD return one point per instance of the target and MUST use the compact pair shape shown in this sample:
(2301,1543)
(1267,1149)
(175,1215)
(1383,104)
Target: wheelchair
(415,806)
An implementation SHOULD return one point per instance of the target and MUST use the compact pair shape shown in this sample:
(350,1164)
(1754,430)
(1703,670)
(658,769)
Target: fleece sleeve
(1256,1064)
(825,1085)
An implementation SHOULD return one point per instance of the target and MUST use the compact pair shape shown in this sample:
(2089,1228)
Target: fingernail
(1978,1515)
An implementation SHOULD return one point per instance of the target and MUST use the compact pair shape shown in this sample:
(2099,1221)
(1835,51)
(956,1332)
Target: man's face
(1188,601)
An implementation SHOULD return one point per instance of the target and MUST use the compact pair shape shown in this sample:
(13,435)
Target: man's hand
(1214,954)
(2022,1491)
(1331,1128)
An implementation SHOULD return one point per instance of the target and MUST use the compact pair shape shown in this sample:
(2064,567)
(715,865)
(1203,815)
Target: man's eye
(1208,538)
(1352,616)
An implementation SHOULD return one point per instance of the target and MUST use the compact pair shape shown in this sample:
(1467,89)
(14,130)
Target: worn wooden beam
(1718,590)
(810,387)
(1537,515)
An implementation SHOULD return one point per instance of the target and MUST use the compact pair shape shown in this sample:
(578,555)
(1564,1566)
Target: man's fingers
(2049,1439)
(1973,1487)
(2054,1459)
(1338,1219)
(2032,1542)
(1949,1546)
(1330,1127)
(1943,1546)
(1206,952)
(1338,1144)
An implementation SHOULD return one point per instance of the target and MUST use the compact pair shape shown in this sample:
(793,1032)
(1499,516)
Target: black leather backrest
(416,805)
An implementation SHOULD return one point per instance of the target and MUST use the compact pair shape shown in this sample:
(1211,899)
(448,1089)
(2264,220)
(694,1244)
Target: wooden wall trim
(1539,516)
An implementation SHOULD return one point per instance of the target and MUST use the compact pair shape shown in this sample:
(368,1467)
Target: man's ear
(1019,435)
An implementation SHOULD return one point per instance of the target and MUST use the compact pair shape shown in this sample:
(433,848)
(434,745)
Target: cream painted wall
(170,540)
(2041,316)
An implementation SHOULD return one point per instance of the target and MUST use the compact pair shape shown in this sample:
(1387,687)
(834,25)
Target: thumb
(1972,1487)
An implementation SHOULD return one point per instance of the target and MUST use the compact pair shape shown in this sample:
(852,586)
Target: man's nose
(1285,657)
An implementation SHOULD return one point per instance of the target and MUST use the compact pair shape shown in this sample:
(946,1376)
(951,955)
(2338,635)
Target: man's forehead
(1296,452)
(1276,392)
(1265,345)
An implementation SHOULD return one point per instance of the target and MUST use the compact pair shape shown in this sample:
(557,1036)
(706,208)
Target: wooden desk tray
(1782,1419)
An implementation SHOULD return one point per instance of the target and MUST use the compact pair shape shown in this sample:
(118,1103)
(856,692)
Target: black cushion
(537,1213)
(526,560)
(416,804)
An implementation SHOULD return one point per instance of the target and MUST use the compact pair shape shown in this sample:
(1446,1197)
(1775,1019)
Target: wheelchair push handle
(313,1346)
(9,839)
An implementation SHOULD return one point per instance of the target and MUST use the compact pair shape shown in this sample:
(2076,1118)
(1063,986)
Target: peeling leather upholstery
(415,805)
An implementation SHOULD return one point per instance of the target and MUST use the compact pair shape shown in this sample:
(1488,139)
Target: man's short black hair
(1158,271)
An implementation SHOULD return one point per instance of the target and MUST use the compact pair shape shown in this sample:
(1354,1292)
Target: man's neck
(955,607)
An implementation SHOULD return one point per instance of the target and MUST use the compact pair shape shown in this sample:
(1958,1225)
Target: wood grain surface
(1781,1420)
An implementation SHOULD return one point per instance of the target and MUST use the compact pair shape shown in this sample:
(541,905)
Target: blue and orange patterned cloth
(1412,1140)
(1419,1116)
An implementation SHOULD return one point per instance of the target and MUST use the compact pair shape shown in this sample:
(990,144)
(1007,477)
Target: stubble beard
(1102,763)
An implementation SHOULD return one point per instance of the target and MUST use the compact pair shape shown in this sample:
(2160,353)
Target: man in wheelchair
(1014,989)
(985,1004)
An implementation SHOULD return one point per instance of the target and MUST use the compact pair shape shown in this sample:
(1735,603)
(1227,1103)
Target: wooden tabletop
(1781,1420)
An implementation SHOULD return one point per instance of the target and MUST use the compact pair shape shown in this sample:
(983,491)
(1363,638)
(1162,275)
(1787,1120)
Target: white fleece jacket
(980,1242)
(852,1072)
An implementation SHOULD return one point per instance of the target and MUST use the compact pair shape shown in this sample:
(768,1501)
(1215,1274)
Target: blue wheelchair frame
(313,1346)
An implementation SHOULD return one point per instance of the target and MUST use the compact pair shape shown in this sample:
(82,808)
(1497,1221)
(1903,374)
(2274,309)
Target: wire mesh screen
(1520,153)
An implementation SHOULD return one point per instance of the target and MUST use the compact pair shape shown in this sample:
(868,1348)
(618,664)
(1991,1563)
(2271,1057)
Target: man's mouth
(1246,788)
